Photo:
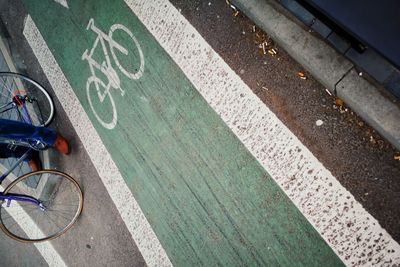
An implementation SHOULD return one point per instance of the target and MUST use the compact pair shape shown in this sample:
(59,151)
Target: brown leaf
(339,102)
(272,51)
(302,75)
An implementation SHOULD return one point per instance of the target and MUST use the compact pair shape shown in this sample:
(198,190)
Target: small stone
(328,92)
(319,122)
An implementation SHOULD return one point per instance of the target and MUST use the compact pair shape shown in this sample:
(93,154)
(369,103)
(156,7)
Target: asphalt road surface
(361,161)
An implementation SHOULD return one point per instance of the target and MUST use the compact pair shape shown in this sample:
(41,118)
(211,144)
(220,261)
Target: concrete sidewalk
(327,65)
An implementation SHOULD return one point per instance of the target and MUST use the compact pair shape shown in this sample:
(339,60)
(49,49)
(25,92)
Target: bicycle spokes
(43,205)
(25,100)
(19,101)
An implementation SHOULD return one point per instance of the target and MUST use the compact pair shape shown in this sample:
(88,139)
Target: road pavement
(182,164)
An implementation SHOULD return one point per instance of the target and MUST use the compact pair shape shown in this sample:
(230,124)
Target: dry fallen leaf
(397,157)
(235,10)
(372,139)
(339,102)
(272,51)
(302,75)
(264,47)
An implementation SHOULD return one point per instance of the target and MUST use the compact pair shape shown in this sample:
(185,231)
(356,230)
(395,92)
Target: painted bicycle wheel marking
(102,89)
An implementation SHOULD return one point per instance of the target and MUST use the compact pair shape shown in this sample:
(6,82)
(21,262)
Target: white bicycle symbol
(103,89)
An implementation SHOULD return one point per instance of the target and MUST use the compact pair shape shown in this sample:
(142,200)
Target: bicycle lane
(207,199)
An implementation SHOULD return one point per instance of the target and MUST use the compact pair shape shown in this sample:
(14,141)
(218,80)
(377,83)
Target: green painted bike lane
(207,199)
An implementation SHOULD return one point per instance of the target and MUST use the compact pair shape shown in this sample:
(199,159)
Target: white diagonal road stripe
(346,226)
(132,215)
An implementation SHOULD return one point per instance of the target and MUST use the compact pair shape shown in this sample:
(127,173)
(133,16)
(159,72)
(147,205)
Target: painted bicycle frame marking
(113,79)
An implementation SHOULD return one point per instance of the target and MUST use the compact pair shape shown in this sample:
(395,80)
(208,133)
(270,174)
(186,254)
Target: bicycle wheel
(101,102)
(130,56)
(61,203)
(23,99)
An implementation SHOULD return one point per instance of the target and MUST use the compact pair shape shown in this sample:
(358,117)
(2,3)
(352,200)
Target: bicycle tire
(30,101)
(137,72)
(28,222)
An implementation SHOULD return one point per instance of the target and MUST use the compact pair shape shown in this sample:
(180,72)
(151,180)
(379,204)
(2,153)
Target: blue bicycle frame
(18,101)
(9,197)
(22,158)
(19,197)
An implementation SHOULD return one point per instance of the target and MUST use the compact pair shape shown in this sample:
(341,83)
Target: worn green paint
(207,199)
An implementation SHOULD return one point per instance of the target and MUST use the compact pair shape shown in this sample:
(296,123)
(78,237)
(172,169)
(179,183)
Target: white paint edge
(131,214)
(64,3)
(6,55)
(355,236)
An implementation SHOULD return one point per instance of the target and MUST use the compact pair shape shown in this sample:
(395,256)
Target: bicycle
(25,100)
(40,205)
(108,71)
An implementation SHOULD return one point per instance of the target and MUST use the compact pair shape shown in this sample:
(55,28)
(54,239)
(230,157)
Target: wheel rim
(136,72)
(12,87)
(27,222)
(103,109)
(30,102)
